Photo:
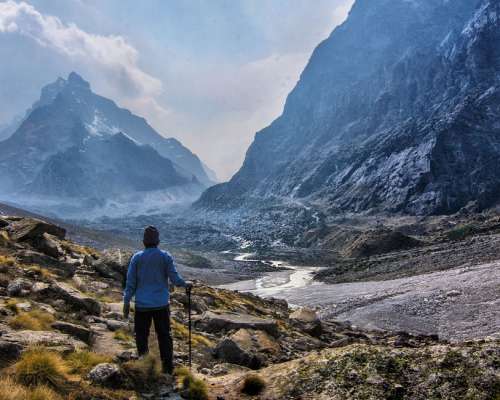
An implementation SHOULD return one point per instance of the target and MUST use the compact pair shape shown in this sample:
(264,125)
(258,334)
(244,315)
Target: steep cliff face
(396,111)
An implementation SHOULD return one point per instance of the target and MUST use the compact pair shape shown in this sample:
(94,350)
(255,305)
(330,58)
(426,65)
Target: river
(277,283)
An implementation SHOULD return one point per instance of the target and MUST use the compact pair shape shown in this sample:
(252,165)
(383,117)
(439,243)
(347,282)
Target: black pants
(161,319)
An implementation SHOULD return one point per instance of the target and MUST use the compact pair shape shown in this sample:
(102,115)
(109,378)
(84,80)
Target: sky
(210,73)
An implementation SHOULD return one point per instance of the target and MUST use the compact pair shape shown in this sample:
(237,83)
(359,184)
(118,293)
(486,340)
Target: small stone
(106,374)
(17,286)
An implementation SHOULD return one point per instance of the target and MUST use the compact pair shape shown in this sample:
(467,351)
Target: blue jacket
(147,278)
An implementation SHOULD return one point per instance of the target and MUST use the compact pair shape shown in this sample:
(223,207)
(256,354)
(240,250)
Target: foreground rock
(32,229)
(60,342)
(76,298)
(216,322)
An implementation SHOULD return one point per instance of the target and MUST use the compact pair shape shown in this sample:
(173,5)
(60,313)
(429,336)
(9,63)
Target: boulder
(229,351)
(60,342)
(106,374)
(307,320)
(18,287)
(106,271)
(9,351)
(40,287)
(31,229)
(114,325)
(80,332)
(216,322)
(64,269)
(76,298)
(48,244)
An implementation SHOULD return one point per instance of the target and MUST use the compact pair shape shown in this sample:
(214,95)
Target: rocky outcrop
(80,332)
(396,111)
(216,322)
(33,229)
(76,298)
(60,342)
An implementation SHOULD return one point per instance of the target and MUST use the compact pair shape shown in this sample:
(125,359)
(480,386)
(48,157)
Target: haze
(210,73)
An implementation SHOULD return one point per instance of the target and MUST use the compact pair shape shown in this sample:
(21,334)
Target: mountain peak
(77,80)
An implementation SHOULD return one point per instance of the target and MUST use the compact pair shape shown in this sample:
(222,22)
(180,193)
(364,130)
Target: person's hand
(126,310)
(189,286)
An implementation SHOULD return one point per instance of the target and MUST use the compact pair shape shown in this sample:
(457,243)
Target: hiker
(147,279)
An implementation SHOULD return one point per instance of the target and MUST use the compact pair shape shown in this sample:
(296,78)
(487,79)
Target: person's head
(151,237)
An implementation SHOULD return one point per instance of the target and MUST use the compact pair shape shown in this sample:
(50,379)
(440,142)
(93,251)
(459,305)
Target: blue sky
(210,73)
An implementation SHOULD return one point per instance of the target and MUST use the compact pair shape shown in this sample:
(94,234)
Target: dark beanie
(151,237)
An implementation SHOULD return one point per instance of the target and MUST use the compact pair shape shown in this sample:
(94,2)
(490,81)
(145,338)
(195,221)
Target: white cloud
(112,55)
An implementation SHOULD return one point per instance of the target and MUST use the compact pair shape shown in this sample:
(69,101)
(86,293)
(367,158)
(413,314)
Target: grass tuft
(39,366)
(253,385)
(7,260)
(42,393)
(194,388)
(144,372)
(180,331)
(11,304)
(81,362)
(11,390)
(123,336)
(35,320)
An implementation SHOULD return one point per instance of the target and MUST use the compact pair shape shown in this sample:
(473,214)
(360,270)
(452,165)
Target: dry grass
(123,336)
(180,331)
(11,304)
(39,366)
(35,320)
(11,390)
(145,372)
(42,273)
(7,260)
(194,388)
(81,362)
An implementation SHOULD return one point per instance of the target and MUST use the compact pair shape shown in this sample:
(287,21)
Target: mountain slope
(66,114)
(396,111)
(106,167)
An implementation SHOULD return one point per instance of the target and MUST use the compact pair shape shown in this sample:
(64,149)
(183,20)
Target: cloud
(116,59)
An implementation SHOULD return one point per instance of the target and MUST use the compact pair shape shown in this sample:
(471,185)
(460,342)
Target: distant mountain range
(397,111)
(75,144)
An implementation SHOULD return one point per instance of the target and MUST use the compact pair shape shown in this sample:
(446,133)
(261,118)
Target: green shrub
(253,385)
(461,232)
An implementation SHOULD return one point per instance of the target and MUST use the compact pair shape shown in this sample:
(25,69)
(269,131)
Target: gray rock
(216,322)
(54,340)
(105,374)
(48,245)
(17,287)
(76,298)
(9,351)
(80,332)
(229,351)
(40,287)
(114,325)
(30,228)
(307,320)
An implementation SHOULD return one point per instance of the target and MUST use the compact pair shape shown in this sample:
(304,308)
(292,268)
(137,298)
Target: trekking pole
(189,326)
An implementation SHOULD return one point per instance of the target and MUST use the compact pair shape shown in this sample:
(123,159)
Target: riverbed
(457,304)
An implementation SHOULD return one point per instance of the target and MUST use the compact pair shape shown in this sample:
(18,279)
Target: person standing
(148,276)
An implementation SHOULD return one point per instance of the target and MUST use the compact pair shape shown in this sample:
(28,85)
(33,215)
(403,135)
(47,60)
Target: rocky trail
(60,315)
